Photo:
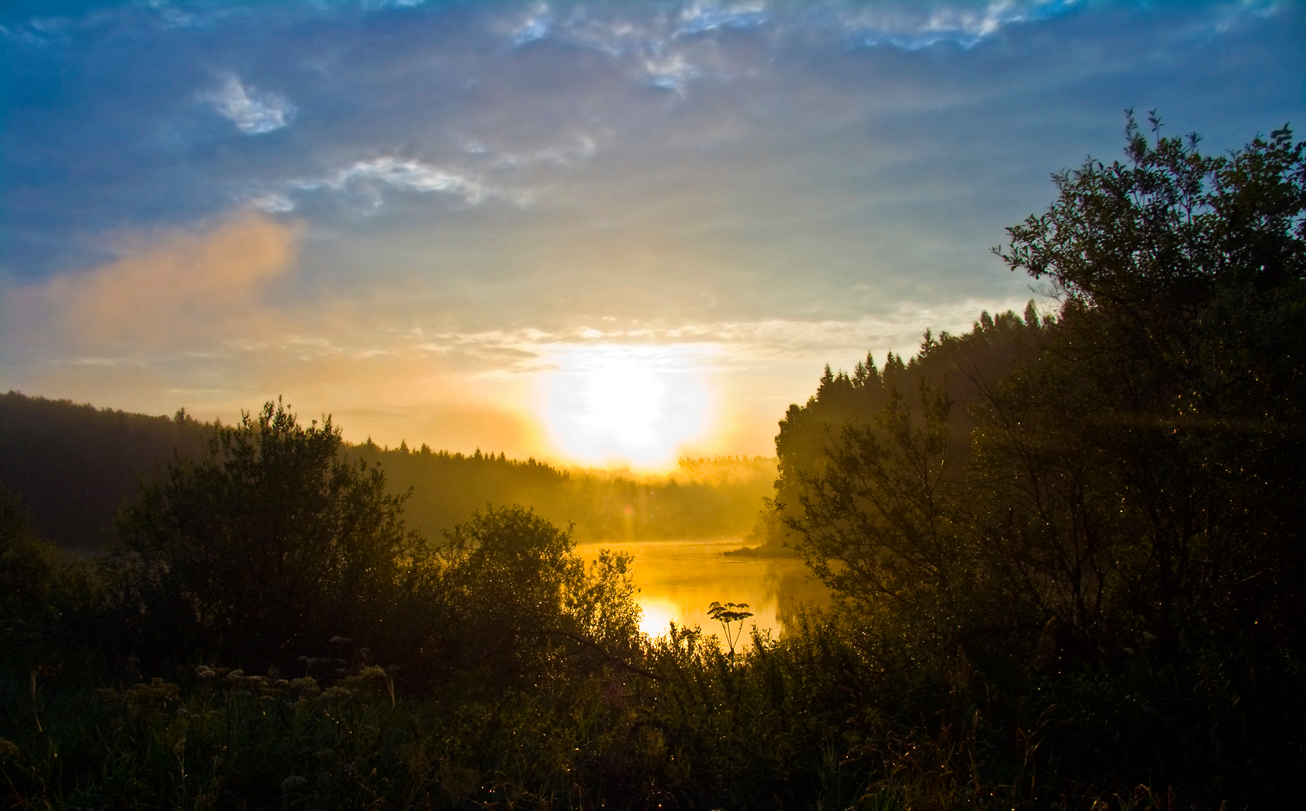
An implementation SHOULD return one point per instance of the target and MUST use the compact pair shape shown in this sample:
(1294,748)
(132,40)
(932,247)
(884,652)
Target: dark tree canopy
(266,547)
(1127,470)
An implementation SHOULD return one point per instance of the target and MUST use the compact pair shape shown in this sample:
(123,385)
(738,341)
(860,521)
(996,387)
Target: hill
(75,466)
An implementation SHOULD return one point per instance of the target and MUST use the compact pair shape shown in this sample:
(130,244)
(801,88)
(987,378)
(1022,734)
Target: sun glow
(656,616)
(610,404)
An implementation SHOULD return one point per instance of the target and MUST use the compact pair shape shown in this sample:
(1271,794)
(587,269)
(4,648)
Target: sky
(588,232)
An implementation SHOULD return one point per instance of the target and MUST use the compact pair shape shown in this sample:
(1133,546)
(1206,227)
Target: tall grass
(814,720)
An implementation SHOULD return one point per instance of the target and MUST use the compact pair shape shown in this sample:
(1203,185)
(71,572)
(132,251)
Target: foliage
(27,565)
(521,603)
(804,721)
(1100,482)
(706,497)
(875,494)
(48,602)
(1160,433)
(263,550)
(728,615)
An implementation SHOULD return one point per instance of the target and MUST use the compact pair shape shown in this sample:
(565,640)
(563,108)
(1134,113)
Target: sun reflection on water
(678,580)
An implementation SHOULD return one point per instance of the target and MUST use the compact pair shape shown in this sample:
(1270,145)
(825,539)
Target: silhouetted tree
(265,548)
(1128,469)
(521,601)
(1164,418)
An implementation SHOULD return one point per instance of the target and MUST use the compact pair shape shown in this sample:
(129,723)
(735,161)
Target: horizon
(594,234)
(677,470)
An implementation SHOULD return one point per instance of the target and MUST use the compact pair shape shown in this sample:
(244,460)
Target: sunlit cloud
(254,112)
(272,202)
(724,343)
(179,288)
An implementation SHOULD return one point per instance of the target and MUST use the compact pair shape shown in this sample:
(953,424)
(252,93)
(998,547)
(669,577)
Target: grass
(810,721)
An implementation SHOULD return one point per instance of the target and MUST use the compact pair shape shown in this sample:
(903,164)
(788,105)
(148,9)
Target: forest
(75,466)
(1065,549)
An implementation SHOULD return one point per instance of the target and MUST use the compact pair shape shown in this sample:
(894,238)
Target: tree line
(75,466)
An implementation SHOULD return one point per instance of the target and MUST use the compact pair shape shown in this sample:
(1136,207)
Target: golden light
(656,616)
(637,405)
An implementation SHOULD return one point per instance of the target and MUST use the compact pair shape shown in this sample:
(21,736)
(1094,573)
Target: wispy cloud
(533,25)
(254,112)
(672,72)
(369,179)
(919,25)
(380,5)
(698,17)
(404,175)
(528,351)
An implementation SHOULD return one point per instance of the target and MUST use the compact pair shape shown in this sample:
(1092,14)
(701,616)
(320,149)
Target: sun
(621,404)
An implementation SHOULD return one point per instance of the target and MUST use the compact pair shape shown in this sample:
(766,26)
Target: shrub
(267,547)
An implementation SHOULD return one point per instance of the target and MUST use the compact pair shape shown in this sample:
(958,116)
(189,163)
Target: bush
(264,549)
(520,601)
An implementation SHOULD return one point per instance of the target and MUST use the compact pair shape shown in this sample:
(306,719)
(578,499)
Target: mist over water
(679,579)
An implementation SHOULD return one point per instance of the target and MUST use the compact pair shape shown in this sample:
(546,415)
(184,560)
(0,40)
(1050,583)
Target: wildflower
(293,782)
(306,685)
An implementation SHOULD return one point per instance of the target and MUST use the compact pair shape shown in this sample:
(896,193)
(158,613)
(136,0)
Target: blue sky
(431,218)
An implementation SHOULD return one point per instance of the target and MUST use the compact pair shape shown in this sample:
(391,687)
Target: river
(678,580)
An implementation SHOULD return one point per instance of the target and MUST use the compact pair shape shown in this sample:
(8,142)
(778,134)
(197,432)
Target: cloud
(254,112)
(534,26)
(671,73)
(731,343)
(699,17)
(178,289)
(914,26)
(582,149)
(383,5)
(407,175)
(368,179)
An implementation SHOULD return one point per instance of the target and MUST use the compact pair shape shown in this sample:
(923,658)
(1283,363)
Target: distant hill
(74,466)
(715,497)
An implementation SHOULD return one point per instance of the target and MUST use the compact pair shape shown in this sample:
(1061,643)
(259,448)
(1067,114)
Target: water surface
(678,580)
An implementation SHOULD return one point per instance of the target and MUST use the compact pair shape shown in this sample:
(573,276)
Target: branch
(616,660)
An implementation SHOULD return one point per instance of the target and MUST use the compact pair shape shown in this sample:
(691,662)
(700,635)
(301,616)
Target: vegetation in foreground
(1066,552)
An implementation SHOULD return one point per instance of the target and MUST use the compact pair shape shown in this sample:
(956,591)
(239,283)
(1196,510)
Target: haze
(592,232)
